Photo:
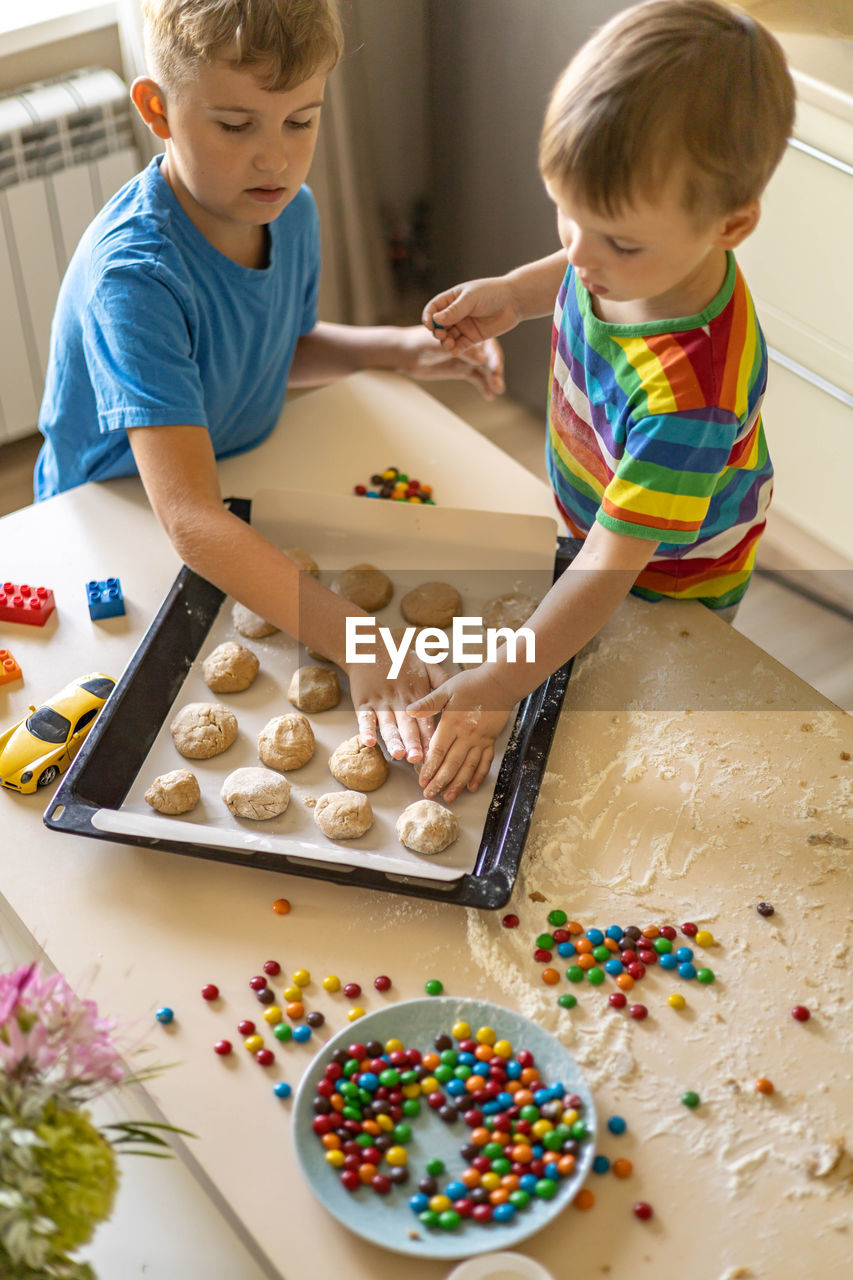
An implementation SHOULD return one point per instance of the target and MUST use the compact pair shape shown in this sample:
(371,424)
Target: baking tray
(110,761)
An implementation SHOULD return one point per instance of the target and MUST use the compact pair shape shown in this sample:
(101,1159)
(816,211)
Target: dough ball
(286,742)
(303,560)
(343,815)
(510,610)
(427,827)
(175,792)
(203,729)
(251,624)
(365,586)
(359,767)
(314,689)
(230,668)
(255,793)
(432,604)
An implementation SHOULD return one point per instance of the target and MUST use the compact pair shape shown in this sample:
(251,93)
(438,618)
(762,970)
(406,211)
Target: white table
(690,776)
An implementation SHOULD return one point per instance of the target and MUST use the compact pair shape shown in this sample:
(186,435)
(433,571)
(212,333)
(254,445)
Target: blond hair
(690,85)
(283,41)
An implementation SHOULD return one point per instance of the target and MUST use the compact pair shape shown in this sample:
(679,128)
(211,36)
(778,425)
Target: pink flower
(46,1030)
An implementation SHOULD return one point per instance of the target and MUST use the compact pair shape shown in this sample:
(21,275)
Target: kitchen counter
(690,777)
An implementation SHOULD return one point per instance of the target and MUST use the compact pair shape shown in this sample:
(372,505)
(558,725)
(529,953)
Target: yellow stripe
(711,587)
(746,362)
(686,508)
(571,465)
(651,373)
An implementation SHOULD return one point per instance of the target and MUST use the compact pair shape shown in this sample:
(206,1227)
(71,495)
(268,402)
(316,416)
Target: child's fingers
(430,703)
(450,766)
(367,725)
(482,768)
(464,774)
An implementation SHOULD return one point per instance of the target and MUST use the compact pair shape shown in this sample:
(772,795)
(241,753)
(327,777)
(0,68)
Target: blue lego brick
(105,599)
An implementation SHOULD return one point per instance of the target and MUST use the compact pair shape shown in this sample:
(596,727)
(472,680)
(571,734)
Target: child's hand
(472,313)
(483,364)
(463,746)
(380,704)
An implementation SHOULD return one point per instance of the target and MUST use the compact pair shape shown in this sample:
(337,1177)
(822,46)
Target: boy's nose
(271,158)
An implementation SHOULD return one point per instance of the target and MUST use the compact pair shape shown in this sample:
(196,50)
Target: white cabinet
(799,267)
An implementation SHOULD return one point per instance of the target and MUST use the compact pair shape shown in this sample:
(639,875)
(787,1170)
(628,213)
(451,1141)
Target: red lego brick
(9,669)
(22,603)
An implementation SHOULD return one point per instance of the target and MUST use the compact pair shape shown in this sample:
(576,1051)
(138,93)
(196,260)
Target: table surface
(690,777)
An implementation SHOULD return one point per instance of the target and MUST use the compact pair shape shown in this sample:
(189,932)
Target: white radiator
(65,147)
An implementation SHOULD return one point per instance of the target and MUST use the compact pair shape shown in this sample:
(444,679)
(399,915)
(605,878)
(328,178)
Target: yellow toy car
(36,751)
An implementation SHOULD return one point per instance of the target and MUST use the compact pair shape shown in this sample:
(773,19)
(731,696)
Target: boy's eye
(301,124)
(233,128)
(622,248)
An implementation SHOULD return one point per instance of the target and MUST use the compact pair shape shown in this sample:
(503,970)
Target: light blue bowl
(387,1220)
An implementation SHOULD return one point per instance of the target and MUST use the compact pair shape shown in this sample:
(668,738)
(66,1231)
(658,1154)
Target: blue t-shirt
(155,327)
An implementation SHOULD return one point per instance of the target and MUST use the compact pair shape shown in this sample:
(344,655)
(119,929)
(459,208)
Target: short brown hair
(689,83)
(287,41)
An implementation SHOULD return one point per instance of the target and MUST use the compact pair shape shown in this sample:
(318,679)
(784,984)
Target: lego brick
(105,599)
(9,669)
(20,602)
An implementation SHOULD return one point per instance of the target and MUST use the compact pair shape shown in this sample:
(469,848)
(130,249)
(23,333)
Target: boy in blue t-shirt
(190,305)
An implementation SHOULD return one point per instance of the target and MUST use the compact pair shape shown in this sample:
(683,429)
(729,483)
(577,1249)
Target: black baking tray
(114,751)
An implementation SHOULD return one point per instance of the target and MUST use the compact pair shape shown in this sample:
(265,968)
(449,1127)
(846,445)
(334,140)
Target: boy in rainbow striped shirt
(658,142)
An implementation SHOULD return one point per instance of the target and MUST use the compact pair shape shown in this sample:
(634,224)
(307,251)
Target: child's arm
(475,704)
(332,351)
(178,470)
(479,309)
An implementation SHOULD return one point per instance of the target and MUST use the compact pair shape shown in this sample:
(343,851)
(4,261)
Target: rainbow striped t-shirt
(654,430)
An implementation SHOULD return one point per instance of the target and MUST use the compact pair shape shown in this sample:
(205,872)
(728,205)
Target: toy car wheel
(50,774)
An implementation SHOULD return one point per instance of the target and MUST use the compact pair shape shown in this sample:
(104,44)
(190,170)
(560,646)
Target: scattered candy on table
(210,991)
(396,485)
(165,1015)
(281,907)
(765,909)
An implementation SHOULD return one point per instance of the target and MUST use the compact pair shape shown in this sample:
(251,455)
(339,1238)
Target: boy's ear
(147,97)
(737,225)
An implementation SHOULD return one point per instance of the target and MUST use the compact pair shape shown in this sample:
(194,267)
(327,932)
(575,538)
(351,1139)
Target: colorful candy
(520,1145)
(395,484)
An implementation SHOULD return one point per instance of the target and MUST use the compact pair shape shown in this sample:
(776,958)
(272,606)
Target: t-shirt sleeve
(670,470)
(313,257)
(138,348)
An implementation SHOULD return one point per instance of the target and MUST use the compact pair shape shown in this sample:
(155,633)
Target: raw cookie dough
(432,604)
(314,689)
(175,792)
(286,742)
(359,767)
(203,729)
(365,586)
(256,793)
(427,827)
(343,815)
(251,624)
(303,560)
(230,668)
(510,610)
